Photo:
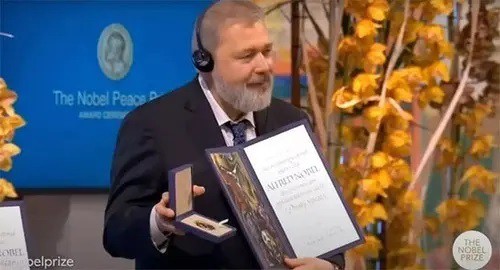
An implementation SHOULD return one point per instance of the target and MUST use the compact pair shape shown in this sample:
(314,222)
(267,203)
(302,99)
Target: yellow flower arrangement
(390,57)
(9,122)
(378,90)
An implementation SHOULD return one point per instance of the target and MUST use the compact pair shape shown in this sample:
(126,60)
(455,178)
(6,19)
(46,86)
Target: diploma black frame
(219,156)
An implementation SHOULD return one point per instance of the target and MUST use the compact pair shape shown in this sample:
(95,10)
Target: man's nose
(263,64)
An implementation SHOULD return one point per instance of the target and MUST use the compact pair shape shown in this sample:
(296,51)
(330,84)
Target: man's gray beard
(243,99)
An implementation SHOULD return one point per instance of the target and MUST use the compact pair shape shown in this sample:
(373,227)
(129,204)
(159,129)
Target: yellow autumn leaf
(402,94)
(9,124)
(394,122)
(379,160)
(7,99)
(449,211)
(348,46)
(372,189)
(359,161)
(431,94)
(413,75)
(401,84)
(365,84)
(6,190)
(378,9)
(379,211)
(372,116)
(429,13)
(7,151)
(347,174)
(438,69)
(10,149)
(374,57)
(397,144)
(442,6)
(370,248)
(354,135)
(396,80)
(348,178)
(412,29)
(400,224)
(350,53)
(400,172)
(410,202)
(446,49)
(424,54)
(473,119)
(356,8)
(481,111)
(16,121)
(460,215)
(470,123)
(369,213)
(432,33)
(345,100)
(476,208)
(481,146)
(435,94)
(480,178)
(447,153)
(382,177)
(365,28)
(399,139)
(347,134)
(3,85)
(432,225)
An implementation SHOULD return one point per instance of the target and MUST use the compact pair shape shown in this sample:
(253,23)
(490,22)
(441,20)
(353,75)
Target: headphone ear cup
(203,61)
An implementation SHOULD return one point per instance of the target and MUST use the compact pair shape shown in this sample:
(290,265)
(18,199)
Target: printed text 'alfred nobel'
(292,178)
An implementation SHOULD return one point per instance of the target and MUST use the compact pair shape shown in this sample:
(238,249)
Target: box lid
(180,190)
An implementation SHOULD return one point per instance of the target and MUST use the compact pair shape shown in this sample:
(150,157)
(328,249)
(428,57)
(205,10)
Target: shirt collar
(220,115)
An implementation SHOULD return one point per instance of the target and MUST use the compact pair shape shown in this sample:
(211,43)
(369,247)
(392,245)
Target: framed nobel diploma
(285,197)
(186,219)
(13,246)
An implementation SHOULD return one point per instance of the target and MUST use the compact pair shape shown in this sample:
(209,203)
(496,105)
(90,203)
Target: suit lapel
(201,124)
(261,121)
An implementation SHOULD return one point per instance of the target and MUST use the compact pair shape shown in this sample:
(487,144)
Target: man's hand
(309,263)
(165,215)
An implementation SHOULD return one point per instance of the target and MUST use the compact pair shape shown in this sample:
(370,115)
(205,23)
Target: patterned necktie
(239,131)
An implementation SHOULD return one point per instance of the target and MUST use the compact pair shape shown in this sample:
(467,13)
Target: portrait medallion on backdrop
(115,51)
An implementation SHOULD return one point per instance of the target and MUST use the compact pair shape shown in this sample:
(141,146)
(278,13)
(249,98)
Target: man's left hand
(309,263)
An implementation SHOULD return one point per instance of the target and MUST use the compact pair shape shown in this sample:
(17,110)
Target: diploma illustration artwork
(262,233)
(285,197)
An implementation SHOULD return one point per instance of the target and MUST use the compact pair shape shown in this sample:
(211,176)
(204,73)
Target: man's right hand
(165,216)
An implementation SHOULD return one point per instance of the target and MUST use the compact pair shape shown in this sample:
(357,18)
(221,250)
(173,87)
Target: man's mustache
(264,79)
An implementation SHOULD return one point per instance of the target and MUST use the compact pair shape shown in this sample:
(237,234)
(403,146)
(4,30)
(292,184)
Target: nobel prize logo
(472,250)
(115,51)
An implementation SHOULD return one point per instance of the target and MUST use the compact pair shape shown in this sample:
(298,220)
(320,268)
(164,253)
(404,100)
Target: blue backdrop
(55,51)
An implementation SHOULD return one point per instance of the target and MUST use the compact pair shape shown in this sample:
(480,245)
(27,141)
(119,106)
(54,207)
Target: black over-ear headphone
(202,59)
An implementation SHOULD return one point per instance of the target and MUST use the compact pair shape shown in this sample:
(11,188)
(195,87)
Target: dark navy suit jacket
(170,131)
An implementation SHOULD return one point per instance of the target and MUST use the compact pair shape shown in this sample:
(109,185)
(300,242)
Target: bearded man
(229,102)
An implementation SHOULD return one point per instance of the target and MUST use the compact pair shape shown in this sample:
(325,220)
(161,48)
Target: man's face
(244,67)
(116,48)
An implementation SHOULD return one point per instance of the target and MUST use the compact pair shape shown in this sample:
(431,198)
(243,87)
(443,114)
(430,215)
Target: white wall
(70,226)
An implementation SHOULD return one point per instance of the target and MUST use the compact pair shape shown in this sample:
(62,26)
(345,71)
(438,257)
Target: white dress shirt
(160,240)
